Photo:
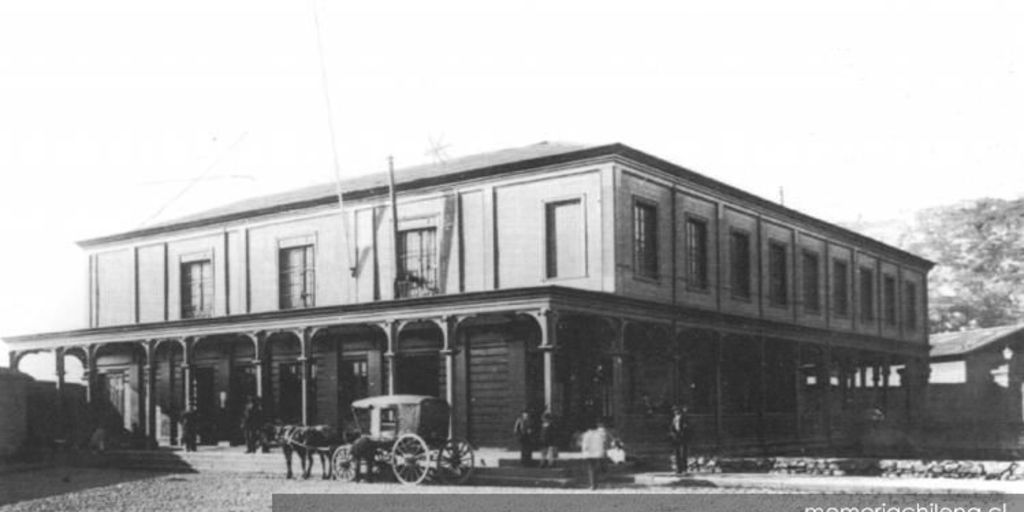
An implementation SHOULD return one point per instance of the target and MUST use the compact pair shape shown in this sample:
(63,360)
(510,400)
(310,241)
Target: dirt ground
(81,489)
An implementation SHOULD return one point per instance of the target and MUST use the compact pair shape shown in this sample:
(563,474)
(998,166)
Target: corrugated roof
(958,343)
(371,181)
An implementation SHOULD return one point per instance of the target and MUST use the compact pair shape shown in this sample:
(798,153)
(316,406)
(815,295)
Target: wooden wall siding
(845,255)
(520,225)
(116,288)
(151,283)
(889,270)
(920,334)
(813,245)
(777,234)
(748,224)
(634,188)
(476,252)
(326,356)
(862,325)
(213,247)
(491,406)
(280,351)
(264,247)
(688,206)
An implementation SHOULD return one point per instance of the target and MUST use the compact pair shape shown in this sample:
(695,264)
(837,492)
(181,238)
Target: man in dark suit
(679,434)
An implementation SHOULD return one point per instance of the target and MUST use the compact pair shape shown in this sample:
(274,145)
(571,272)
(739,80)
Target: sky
(115,114)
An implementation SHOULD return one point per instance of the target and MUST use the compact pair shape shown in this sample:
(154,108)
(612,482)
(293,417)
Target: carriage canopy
(387,417)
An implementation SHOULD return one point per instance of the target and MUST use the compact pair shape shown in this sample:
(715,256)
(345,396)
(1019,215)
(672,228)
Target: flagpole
(334,145)
(394,223)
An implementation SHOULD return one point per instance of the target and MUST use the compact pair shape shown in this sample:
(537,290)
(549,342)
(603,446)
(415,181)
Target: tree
(978,248)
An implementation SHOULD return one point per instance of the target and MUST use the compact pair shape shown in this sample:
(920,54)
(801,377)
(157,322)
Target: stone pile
(988,470)
(823,466)
(889,468)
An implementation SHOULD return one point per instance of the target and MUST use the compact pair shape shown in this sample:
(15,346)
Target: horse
(306,442)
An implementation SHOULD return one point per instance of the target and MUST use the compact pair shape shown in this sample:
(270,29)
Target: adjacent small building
(591,281)
(976,391)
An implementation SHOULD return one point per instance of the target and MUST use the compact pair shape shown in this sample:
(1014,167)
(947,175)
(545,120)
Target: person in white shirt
(595,444)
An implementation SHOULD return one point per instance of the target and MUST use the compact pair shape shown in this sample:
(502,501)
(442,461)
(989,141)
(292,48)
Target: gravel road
(80,489)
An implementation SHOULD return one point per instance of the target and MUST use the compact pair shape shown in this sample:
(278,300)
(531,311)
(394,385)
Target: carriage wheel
(343,464)
(456,461)
(410,459)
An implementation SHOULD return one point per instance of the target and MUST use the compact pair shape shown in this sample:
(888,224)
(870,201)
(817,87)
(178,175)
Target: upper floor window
(417,262)
(563,235)
(811,266)
(697,253)
(867,295)
(297,277)
(645,239)
(889,298)
(739,257)
(840,288)
(910,303)
(778,274)
(196,289)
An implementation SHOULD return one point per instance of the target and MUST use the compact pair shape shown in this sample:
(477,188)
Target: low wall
(14,404)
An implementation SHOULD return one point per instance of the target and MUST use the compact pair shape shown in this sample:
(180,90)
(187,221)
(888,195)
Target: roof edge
(616,148)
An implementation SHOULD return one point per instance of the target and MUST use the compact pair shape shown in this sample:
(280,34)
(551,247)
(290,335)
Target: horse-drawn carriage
(409,433)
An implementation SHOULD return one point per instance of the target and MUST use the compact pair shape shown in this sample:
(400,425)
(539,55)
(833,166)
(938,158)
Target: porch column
(762,405)
(826,409)
(58,358)
(798,392)
(306,340)
(886,370)
(718,389)
(548,322)
(259,341)
(390,333)
(186,373)
(12,359)
(149,377)
(619,375)
(448,351)
(89,373)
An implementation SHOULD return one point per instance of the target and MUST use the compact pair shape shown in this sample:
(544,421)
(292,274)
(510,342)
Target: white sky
(859,109)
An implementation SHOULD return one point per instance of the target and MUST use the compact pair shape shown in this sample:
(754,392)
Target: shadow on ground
(53,481)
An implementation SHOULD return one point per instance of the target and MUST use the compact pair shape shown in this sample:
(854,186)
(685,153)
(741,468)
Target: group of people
(547,435)
(252,425)
(595,443)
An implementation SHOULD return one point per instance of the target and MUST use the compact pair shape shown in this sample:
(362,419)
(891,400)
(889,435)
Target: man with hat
(679,434)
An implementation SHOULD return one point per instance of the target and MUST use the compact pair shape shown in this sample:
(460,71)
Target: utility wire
(330,127)
(197,179)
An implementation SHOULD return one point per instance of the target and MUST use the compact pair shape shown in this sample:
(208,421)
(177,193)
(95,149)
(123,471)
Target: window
(297,277)
(811,282)
(840,288)
(645,240)
(417,262)
(564,238)
(910,303)
(889,297)
(778,275)
(697,253)
(196,289)
(867,295)
(739,256)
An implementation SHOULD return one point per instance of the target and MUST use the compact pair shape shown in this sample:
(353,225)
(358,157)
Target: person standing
(679,434)
(595,443)
(189,425)
(523,430)
(550,436)
(252,422)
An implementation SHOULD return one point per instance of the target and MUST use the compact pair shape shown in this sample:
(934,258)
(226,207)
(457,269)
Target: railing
(407,289)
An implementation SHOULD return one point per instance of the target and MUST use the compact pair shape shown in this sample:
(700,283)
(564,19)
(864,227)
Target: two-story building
(590,281)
